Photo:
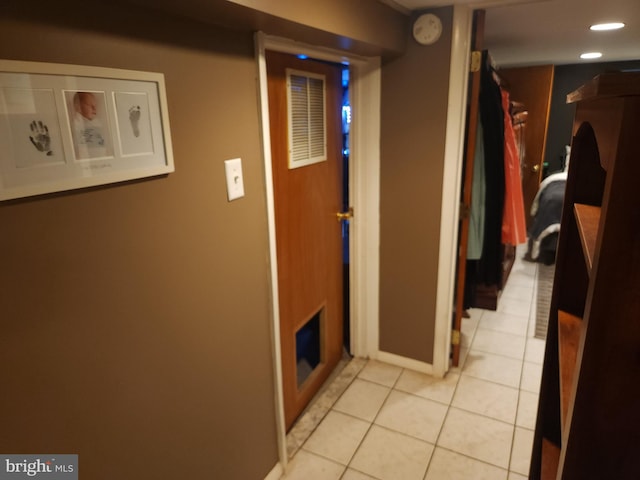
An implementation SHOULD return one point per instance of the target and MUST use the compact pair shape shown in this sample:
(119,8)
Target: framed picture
(64,127)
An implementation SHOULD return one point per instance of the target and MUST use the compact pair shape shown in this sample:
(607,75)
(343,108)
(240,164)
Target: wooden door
(473,107)
(532,86)
(308,233)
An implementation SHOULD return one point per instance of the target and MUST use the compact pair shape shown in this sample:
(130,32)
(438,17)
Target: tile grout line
(329,409)
(410,436)
(458,371)
(446,415)
(506,470)
(513,437)
(485,416)
(373,420)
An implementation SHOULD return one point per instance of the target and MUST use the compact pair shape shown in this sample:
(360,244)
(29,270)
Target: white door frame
(451,185)
(364,187)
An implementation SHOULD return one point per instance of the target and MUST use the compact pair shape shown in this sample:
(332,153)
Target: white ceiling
(530,32)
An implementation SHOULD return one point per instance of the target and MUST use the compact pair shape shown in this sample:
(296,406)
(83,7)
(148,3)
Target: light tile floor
(390,423)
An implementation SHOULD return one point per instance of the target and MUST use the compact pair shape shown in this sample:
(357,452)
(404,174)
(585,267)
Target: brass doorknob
(535,168)
(345,215)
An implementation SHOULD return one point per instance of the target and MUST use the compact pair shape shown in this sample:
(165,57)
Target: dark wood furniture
(487,296)
(588,424)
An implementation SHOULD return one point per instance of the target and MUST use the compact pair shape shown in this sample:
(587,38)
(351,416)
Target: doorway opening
(346,123)
(364,232)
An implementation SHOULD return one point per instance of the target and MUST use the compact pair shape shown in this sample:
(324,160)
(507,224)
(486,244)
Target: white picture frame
(64,127)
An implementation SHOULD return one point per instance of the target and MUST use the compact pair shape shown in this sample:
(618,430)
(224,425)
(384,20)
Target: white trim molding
(451,183)
(273,264)
(404,362)
(275,473)
(365,196)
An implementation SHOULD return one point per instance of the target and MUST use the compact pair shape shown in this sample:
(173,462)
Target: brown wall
(370,22)
(363,27)
(415,90)
(135,317)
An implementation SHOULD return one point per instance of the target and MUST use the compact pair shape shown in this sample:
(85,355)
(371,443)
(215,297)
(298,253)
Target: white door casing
(364,187)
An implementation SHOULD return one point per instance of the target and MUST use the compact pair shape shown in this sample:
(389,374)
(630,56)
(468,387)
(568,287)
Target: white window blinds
(306,113)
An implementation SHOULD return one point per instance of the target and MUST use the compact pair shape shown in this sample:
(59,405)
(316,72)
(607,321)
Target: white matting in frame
(64,127)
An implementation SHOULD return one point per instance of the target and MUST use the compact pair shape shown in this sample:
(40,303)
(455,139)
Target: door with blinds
(305,124)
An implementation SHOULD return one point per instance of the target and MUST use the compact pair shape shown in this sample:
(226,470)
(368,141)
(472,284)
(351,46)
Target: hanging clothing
(492,118)
(514,228)
(478,196)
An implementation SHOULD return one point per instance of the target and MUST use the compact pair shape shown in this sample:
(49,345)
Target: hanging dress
(514,228)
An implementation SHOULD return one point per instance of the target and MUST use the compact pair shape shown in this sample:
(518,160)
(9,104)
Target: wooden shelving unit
(569,329)
(551,456)
(588,423)
(588,219)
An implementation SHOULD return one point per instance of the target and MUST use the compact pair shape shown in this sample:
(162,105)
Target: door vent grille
(306,115)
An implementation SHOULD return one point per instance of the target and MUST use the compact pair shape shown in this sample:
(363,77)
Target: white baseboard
(404,362)
(275,473)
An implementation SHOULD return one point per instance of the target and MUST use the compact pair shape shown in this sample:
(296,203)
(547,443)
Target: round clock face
(427,29)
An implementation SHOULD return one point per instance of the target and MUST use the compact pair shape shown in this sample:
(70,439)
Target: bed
(546,211)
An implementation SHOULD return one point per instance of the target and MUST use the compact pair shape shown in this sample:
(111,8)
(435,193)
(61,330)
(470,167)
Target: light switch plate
(235,184)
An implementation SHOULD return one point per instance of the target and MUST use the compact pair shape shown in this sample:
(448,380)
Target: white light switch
(233,172)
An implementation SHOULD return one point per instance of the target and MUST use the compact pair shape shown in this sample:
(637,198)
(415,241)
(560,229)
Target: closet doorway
(500,175)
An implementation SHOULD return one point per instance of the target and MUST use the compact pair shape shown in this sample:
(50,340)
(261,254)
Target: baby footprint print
(134,118)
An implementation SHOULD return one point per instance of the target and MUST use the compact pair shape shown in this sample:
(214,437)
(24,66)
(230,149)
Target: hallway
(385,422)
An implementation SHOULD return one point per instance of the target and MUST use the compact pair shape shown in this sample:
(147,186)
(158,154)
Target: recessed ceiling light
(590,55)
(607,26)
